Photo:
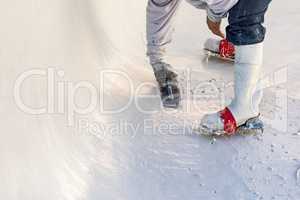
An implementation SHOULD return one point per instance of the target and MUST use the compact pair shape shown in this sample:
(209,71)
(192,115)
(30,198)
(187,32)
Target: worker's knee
(242,34)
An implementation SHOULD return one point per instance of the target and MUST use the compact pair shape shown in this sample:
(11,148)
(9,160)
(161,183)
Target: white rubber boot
(245,104)
(247,97)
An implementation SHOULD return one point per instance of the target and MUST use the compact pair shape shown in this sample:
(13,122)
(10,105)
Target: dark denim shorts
(245,22)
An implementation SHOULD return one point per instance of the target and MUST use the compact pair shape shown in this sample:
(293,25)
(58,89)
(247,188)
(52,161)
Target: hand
(215,28)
